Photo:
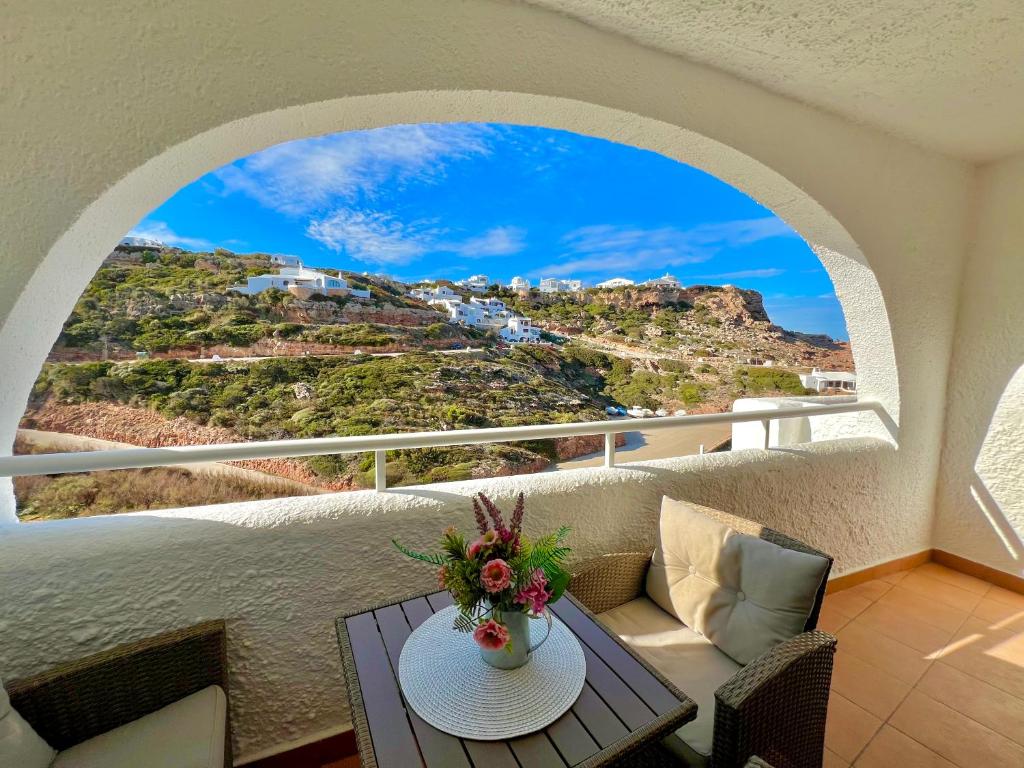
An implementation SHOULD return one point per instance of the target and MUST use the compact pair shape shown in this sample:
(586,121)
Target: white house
(285,260)
(489,303)
(821,381)
(520,330)
(435,293)
(299,278)
(475,283)
(616,282)
(141,242)
(665,281)
(519,284)
(557,285)
(464,313)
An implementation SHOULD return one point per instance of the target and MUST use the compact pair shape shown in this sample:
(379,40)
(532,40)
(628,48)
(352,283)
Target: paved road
(466,351)
(657,444)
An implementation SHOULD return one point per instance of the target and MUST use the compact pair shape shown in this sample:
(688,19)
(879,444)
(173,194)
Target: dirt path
(62,441)
(657,444)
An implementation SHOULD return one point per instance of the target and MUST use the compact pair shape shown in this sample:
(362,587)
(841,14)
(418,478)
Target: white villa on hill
(488,314)
(665,281)
(557,285)
(434,293)
(300,282)
(616,282)
(489,303)
(141,242)
(519,284)
(475,283)
(520,330)
(824,380)
(285,260)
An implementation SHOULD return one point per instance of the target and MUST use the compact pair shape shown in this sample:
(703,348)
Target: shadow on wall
(997,489)
(1002,526)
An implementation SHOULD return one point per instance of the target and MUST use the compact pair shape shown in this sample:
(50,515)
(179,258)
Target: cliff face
(736,305)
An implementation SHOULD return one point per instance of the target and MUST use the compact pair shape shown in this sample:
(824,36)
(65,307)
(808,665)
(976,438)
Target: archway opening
(847,270)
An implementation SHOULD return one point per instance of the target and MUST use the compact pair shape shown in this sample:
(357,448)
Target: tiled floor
(929,672)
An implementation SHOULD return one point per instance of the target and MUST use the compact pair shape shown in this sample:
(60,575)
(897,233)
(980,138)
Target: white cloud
(379,238)
(158,230)
(743,274)
(497,241)
(314,175)
(372,237)
(603,249)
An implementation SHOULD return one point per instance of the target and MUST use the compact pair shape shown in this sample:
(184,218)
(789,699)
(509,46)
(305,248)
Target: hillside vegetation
(159,302)
(653,348)
(316,397)
(58,497)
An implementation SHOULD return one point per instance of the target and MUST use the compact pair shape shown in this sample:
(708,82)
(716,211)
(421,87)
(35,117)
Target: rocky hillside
(173,303)
(703,323)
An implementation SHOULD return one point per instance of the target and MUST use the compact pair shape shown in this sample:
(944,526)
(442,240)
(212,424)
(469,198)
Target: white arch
(50,294)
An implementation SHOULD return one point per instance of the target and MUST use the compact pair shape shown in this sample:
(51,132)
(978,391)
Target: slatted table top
(625,704)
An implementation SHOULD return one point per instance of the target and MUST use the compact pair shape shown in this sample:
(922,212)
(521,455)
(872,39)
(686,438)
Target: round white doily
(450,686)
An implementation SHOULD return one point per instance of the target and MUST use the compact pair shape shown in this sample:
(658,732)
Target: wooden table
(625,705)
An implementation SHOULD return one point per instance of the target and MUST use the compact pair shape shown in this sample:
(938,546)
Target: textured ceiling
(945,74)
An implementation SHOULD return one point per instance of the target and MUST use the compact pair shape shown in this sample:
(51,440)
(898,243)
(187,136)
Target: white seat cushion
(745,594)
(20,745)
(686,658)
(189,733)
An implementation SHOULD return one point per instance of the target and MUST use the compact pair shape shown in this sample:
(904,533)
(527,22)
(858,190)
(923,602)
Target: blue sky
(430,201)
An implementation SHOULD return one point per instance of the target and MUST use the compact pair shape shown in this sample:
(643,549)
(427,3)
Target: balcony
(890,141)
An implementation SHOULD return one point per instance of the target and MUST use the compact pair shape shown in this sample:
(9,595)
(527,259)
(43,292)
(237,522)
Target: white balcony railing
(136,458)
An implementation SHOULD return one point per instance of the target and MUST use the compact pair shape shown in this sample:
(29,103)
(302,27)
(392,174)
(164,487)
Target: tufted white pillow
(742,593)
(20,745)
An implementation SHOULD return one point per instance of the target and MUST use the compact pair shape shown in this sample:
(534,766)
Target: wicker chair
(85,698)
(773,708)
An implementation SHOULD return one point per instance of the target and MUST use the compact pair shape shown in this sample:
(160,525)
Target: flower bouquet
(499,580)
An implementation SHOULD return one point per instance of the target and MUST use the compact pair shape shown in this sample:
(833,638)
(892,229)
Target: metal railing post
(609,449)
(380,470)
(767,424)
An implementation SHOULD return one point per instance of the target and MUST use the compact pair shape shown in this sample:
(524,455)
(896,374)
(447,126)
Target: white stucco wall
(281,571)
(805,429)
(980,500)
(200,84)
(82,164)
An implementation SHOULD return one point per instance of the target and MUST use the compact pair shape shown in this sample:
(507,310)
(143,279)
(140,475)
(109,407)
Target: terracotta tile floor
(929,672)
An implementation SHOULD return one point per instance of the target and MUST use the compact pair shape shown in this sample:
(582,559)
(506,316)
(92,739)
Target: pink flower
(442,575)
(488,540)
(495,575)
(535,594)
(491,635)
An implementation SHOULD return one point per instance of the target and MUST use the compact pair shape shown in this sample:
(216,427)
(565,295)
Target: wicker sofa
(165,697)
(771,709)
